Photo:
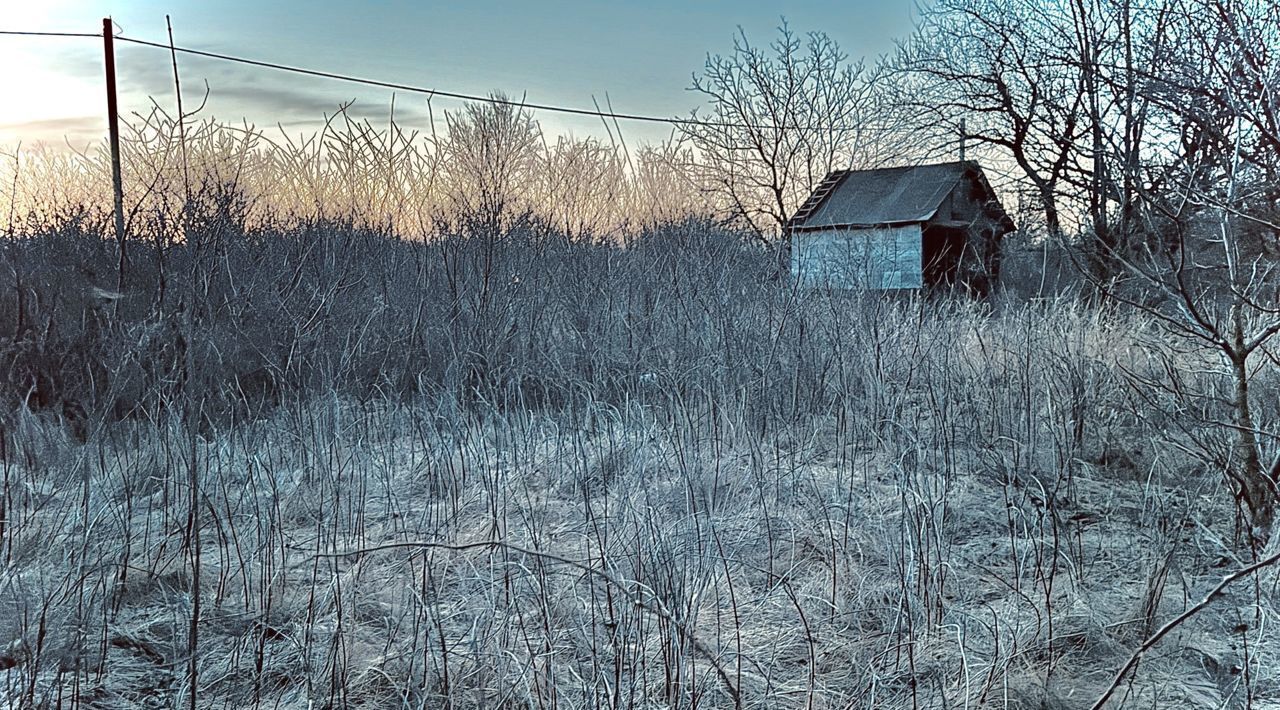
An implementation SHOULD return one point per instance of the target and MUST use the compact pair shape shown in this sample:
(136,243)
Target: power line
(439,92)
(419,89)
(48,34)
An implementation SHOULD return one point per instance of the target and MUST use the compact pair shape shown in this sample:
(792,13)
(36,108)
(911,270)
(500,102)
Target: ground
(935,541)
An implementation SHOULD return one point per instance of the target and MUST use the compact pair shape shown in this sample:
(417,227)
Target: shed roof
(883,196)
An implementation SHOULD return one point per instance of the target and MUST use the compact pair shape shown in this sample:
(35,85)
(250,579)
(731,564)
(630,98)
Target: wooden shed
(921,227)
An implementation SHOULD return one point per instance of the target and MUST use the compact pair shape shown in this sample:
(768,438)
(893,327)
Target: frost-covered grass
(778,500)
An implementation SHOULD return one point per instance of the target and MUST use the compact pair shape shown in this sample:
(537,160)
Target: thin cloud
(239,92)
(78,61)
(236,92)
(77,130)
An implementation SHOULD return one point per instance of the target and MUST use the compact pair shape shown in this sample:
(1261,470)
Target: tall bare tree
(1209,218)
(777,120)
(1005,77)
(490,157)
(1054,90)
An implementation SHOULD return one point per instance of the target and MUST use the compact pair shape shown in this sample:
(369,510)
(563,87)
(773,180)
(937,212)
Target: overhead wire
(48,34)
(430,92)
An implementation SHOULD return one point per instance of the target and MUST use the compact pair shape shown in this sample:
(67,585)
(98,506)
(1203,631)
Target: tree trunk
(1049,202)
(1256,486)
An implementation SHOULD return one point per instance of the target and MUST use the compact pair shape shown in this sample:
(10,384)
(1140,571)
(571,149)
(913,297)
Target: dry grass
(948,508)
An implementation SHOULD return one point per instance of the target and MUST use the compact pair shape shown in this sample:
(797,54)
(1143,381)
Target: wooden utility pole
(113,128)
(963,135)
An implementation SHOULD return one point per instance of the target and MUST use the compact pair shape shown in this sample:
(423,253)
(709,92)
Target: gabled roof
(885,196)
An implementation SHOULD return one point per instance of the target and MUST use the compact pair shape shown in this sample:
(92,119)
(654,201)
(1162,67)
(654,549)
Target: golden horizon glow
(43,104)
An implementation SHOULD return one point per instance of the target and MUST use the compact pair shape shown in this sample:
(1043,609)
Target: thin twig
(1176,621)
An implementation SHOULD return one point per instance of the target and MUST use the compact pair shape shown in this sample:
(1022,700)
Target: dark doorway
(940,256)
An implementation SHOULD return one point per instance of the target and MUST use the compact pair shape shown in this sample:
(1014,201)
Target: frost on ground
(979,525)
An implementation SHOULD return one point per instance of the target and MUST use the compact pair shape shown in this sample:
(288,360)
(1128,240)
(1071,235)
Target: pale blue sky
(554,51)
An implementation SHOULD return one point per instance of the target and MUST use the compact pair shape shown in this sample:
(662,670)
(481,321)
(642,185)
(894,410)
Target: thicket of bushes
(240,316)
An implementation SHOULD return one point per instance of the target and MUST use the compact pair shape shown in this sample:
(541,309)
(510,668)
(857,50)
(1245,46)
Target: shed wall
(881,258)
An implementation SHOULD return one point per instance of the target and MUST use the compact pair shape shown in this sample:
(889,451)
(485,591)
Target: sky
(640,56)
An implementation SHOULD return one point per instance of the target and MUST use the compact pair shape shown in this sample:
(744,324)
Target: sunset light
(563,53)
(43,101)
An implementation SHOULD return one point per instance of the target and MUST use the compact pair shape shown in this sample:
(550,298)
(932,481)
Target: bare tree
(663,191)
(1006,77)
(490,157)
(582,186)
(1062,92)
(1209,217)
(777,120)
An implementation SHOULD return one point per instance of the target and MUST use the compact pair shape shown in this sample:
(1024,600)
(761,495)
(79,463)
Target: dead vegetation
(377,422)
(534,472)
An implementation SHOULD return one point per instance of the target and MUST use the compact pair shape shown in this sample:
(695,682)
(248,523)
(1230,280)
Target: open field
(318,467)
(480,400)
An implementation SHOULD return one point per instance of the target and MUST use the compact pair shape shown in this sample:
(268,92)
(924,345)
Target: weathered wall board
(880,258)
